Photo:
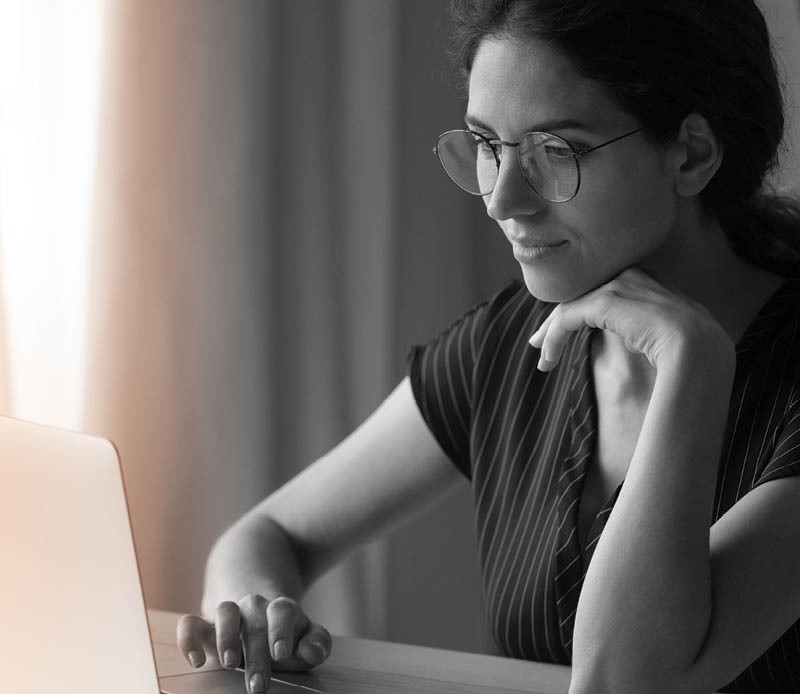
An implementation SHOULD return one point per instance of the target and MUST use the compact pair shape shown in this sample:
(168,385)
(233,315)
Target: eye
(557,149)
(483,147)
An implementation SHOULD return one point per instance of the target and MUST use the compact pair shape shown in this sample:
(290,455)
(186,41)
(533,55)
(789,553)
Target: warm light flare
(50,55)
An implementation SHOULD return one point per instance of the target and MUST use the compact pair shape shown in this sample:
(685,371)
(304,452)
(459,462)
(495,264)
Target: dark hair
(662,60)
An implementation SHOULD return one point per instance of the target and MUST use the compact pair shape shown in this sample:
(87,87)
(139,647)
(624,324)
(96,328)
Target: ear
(697,155)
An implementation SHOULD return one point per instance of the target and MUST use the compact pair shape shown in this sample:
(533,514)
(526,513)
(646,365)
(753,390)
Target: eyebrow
(545,126)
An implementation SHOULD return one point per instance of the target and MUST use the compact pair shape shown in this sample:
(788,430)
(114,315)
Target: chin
(555,288)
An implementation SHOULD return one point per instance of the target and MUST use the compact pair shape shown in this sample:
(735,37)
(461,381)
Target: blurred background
(221,228)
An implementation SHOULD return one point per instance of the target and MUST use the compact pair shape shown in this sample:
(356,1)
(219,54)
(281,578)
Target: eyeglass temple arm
(577,153)
(610,142)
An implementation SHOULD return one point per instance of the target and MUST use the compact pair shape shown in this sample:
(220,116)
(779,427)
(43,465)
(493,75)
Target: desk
(364,666)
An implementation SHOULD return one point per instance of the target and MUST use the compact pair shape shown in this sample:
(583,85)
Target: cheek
(622,226)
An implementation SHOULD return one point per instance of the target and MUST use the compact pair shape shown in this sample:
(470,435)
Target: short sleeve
(442,374)
(785,459)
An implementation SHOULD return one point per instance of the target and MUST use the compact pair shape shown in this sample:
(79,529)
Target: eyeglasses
(548,162)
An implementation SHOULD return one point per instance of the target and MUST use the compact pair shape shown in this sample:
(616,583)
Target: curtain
(271,233)
(783,19)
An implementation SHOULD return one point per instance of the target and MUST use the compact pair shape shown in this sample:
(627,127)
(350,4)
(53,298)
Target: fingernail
(320,647)
(281,650)
(229,658)
(256,683)
(194,658)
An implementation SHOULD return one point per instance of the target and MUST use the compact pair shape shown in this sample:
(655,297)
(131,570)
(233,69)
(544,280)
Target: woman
(621,147)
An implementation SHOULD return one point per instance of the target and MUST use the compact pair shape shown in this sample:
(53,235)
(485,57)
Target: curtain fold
(783,19)
(179,354)
(270,234)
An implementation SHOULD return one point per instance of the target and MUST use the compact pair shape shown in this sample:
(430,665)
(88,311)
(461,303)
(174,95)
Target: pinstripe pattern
(525,438)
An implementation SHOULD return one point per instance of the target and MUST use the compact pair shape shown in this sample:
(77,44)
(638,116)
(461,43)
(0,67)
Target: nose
(512,195)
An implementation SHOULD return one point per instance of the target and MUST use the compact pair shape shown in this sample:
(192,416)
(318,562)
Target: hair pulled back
(662,60)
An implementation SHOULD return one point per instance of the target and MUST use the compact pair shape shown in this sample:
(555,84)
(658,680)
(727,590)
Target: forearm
(253,556)
(645,607)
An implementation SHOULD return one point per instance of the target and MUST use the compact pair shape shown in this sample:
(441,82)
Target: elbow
(648,684)
(637,663)
(623,674)
(593,683)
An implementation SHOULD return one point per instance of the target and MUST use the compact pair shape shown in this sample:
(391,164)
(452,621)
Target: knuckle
(256,663)
(189,626)
(227,606)
(254,629)
(253,602)
(555,317)
(606,299)
(283,604)
(227,633)
(228,618)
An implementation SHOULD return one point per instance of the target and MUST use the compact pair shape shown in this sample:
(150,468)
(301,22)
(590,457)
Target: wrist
(703,353)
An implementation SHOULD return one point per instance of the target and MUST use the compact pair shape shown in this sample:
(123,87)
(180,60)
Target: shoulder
(494,331)
(764,408)
(776,329)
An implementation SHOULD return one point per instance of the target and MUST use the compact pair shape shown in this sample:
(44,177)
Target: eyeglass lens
(548,163)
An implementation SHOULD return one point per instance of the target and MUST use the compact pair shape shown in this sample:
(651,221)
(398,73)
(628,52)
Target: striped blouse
(524,439)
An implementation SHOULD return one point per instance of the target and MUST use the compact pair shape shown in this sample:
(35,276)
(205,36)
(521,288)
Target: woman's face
(626,207)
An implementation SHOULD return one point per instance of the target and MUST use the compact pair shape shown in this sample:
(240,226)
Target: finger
(552,347)
(537,338)
(193,633)
(257,667)
(553,338)
(316,645)
(229,644)
(286,622)
(569,317)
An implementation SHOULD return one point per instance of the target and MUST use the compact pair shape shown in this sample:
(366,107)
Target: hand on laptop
(269,634)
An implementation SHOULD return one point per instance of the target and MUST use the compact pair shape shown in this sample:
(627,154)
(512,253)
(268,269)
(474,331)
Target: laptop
(72,612)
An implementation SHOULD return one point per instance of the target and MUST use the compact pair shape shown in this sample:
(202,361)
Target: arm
(646,603)
(388,469)
(668,606)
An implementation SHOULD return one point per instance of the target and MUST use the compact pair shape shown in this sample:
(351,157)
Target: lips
(535,243)
(530,252)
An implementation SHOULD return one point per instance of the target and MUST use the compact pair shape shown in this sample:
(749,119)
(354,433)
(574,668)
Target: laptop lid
(73,615)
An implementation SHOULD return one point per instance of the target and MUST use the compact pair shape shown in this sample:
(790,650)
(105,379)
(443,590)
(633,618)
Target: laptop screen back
(73,617)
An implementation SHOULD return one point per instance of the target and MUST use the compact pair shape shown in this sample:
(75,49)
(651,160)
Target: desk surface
(379,667)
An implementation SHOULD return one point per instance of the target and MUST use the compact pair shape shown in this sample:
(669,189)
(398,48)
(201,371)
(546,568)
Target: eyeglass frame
(493,143)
